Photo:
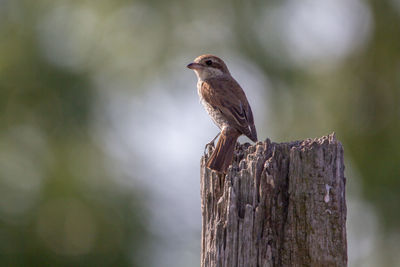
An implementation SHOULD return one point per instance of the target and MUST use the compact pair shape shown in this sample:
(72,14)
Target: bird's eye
(208,62)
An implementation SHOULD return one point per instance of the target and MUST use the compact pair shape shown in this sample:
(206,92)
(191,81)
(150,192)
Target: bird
(227,104)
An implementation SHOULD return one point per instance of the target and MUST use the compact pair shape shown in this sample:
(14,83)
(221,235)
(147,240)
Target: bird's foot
(210,146)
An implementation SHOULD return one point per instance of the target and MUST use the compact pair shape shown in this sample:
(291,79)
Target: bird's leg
(211,143)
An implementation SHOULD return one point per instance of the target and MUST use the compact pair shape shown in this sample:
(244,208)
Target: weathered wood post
(279,205)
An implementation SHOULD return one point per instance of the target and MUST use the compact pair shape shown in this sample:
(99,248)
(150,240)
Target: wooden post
(279,205)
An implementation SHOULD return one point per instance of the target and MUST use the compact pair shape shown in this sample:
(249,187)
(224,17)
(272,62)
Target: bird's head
(208,66)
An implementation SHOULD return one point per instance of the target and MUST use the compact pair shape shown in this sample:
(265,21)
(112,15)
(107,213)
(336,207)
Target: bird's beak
(194,66)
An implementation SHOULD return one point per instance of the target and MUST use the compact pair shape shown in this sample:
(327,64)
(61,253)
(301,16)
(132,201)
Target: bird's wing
(226,95)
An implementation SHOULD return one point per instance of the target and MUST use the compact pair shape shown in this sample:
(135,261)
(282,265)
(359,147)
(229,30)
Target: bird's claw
(207,148)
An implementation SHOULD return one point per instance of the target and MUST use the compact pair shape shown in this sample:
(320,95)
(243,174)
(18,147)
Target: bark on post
(279,205)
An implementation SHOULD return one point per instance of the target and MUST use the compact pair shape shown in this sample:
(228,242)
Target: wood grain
(279,205)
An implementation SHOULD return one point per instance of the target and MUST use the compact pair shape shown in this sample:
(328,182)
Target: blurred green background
(101,131)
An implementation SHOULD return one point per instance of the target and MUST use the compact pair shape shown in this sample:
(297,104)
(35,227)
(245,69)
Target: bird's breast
(216,115)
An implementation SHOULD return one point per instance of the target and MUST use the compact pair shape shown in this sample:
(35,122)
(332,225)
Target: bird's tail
(222,156)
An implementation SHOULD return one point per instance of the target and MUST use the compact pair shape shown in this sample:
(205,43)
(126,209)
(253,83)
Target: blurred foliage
(371,121)
(60,203)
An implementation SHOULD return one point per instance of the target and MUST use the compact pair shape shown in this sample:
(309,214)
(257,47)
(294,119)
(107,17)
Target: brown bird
(226,103)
